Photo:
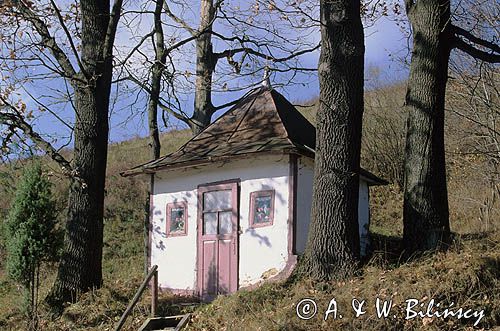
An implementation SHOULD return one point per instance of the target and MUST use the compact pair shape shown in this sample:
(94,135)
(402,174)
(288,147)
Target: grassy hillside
(123,242)
(467,275)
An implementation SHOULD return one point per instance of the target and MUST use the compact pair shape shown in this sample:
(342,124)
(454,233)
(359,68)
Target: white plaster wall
(175,256)
(261,249)
(305,174)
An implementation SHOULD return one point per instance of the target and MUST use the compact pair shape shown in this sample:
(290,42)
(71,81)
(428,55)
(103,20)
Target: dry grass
(99,309)
(468,274)
(123,240)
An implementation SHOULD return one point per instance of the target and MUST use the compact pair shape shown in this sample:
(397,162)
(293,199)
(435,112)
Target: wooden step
(173,323)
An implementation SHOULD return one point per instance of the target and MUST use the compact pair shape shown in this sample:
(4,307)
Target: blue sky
(385,45)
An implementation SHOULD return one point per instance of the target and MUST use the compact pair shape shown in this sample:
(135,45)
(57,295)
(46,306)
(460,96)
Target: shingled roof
(263,121)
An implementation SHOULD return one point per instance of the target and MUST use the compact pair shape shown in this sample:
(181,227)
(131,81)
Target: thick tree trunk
(80,268)
(425,215)
(332,249)
(205,66)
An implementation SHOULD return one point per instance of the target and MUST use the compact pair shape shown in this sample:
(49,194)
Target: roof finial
(266,81)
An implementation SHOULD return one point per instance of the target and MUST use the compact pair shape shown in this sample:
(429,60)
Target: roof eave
(372,179)
(144,169)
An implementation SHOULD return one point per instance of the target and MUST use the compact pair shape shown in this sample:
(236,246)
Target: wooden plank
(136,297)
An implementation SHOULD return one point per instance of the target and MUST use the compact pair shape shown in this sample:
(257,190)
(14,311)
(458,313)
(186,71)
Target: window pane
(210,223)
(177,220)
(217,200)
(262,209)
(225,222)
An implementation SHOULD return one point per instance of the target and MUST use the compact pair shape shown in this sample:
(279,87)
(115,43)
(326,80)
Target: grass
(10,300)
(123,261)
(468,274)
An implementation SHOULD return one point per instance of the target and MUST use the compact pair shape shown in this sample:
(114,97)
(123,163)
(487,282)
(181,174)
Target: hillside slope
(468,275)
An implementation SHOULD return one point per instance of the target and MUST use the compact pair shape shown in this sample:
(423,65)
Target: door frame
(234,186)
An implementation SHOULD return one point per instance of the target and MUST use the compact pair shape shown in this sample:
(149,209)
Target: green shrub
(30,234)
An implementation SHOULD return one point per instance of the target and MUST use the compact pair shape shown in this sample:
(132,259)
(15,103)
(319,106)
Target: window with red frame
(177,219)
(261,208)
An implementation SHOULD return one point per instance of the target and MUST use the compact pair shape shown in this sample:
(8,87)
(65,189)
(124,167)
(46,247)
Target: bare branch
(114,17)
(476,40)
(68,35)
(227,104)
(48,109)
(182,117)
(48,40)
(249,50)
(178,116)
(287,69)
(136,47)
(178,20)
(185,41)
(475,52)
(15,119)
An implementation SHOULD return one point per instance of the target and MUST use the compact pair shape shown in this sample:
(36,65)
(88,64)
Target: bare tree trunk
(80,268)
(154,133)
(205,66)
(154,98)
(156,75)
(332,250)
(425,214)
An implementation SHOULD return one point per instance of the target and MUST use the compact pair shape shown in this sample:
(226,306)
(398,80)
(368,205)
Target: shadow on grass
(385,250)
(472,236)
(177,305)
(119,297)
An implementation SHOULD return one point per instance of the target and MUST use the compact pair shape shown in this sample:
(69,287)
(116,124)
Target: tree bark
(154,133)
(156,75)
(205,66)
(80,268)
(425,214)
(332,250)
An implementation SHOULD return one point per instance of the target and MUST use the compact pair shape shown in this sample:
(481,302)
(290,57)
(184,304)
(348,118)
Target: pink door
(217,239)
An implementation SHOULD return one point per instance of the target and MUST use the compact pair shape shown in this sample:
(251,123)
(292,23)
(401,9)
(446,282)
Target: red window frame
(253,196)
(173,205)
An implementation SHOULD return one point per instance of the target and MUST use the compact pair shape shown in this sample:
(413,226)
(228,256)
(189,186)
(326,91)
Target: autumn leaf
(23,107)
